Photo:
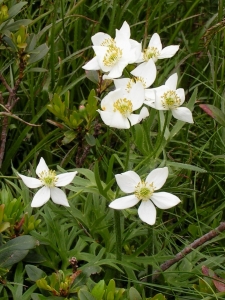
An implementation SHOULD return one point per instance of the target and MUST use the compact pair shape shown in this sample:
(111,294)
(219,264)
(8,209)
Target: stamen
(151,52)
(124,106)
(48,178)
(170,100)
(108,42)
(144,190)
(113,54)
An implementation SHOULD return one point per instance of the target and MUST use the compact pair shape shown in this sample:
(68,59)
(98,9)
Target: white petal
(137,95)
(146,71)
(137,47)
(114,119)
(159,94)
(100,52)
(134,119)
(181,95)
(125,29)
(109,100)
(164,200)
(150,95)
(172,81)
(117,70)
(155,41)
(158,177)
(41,197)
(144,113)
(100,38)
(183,114)
(168,52)
(128,181)
(41,166)
(59,197)
(30,181)
(147,212)
(121,83)
(92,64)
(124,202)
(65,178)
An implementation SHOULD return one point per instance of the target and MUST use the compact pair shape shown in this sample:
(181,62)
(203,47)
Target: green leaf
(15,9)
(134,294)
(34,273)
(158,297)
(214,112)
(85,295)
(186,167)
(15,250)
(16,25)
(90,139)
(38,53)
(98,290)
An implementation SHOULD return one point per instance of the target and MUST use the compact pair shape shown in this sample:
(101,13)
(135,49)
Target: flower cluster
(130,94)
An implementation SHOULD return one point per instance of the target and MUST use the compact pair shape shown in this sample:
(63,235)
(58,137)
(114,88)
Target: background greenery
(68,138)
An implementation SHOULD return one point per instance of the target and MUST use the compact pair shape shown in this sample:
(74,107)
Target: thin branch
(199,242)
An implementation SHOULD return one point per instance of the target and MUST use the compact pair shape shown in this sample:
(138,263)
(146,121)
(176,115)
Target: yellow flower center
(170,100)
(132,81)
(48,178)
(112,56)
(143,191)
(151,52)
(124,106)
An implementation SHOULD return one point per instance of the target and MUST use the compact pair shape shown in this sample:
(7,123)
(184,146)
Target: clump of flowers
(112,56)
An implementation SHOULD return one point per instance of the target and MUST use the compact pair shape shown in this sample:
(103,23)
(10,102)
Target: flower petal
(144,113)
(92,64)
(136,95)
(158,177)
(124,202)
(100,38)
(183,114)
(114,119)
(121,83)
(172,81)
(164,200)
(41,197)
(59,197)
(134,119)
(147,212)
(65,178)
(128,181)
(41,166)
(155,41)
(147,72)
(168,51)
(125,29)
(180,93)
(31,182)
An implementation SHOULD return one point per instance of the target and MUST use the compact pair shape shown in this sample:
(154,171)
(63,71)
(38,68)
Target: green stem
(157,146)
(118,235)
(128,150)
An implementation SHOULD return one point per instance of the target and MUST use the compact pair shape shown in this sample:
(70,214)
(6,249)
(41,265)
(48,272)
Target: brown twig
(199,242)
(11,102)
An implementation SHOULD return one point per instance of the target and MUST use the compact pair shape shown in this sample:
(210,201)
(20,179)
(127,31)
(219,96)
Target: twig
(199,242)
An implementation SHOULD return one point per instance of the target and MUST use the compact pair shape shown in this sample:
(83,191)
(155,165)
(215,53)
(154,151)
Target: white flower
(118,105)
(155,50)
(49,182)
(144,191)
(144,73)
(113,55)
(167,97)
